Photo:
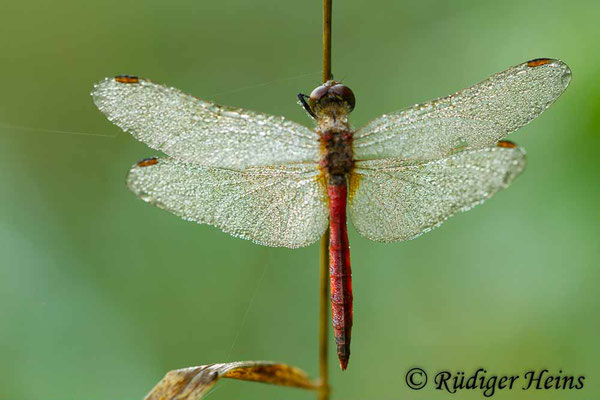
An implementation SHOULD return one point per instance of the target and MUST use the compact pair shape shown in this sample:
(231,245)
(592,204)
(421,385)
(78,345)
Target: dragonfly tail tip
(344,362)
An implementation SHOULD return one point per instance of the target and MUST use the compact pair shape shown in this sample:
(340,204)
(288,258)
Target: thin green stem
(326,40)
(323,393)
(324,270)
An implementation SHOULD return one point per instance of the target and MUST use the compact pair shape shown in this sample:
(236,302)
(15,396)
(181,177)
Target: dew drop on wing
(146,197)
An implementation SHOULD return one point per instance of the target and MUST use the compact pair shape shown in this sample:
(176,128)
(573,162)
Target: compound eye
(317,95)
(344,93)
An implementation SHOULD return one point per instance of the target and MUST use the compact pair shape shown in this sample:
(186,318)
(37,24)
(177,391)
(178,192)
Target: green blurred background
(101,294)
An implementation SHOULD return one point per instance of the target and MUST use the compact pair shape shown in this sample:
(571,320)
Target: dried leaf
(194,382)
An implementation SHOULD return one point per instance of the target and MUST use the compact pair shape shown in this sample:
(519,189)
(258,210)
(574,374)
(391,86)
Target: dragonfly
(278,183)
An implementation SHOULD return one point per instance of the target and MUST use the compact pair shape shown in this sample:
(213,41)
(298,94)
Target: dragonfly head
(331,93)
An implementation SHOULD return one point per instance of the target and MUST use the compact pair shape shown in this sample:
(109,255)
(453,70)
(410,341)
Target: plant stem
(326,40)
(323,393)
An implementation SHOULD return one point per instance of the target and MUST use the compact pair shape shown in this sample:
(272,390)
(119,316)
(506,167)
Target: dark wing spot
(127,79)
(147,162)
(507,144)
(538,61)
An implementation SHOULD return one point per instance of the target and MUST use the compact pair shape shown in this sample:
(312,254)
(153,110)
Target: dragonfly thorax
(335,136)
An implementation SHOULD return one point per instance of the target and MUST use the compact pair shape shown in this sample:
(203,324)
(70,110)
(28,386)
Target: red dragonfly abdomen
(340,273)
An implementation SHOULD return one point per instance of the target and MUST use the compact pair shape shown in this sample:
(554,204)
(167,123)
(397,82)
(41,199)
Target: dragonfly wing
(474,118)
(394,199)
(280,206)
(198,131)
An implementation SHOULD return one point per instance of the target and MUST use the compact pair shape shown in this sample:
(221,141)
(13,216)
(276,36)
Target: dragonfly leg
(302,98)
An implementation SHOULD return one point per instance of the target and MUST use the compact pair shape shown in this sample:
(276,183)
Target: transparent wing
(281,206)
(394,200)
(474,118)
(198,131)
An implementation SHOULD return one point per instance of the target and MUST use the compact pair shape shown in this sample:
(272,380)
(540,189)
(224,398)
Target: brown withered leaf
(194,382)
